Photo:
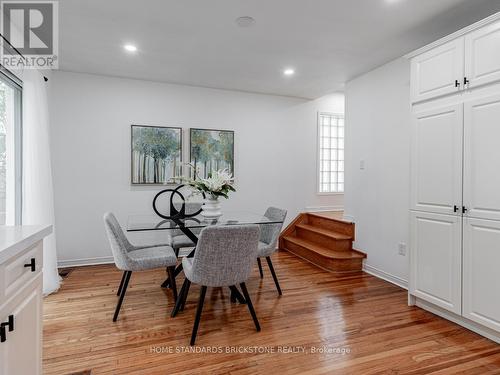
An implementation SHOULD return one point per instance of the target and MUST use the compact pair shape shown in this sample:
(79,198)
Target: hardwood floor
(366,318)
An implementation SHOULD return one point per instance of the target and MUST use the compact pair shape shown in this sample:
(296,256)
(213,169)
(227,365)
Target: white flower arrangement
(217,184)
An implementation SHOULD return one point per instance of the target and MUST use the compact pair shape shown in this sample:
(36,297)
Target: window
(331,153)
(10,149)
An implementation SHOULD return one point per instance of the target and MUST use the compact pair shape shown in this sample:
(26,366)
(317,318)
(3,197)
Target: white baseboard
(402,283)
(324,208)
(84,262)
(460,320)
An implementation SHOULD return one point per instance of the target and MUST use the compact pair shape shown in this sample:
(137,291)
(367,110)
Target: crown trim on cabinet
(455,35)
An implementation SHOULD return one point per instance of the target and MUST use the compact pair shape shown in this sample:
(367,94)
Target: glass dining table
(138,223)
(191,225)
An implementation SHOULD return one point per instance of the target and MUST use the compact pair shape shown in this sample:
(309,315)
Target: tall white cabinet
(455,177)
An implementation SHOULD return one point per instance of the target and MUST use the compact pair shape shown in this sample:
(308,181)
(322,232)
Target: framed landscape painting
(156,154)
(211,150)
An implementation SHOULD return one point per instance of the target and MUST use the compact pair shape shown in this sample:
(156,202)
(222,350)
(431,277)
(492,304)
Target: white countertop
(14,239)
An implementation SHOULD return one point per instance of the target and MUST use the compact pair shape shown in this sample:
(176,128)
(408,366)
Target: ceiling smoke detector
(245,21)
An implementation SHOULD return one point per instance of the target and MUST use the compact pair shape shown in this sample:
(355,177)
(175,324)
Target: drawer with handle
(20,270)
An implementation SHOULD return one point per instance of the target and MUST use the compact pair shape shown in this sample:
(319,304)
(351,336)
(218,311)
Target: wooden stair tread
(329,218)
(323,251)
(326,232)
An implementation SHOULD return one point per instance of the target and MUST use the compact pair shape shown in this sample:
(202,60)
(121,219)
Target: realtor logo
(30,34)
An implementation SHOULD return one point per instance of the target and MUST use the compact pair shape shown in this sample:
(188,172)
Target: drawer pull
(32,264)
(9,324)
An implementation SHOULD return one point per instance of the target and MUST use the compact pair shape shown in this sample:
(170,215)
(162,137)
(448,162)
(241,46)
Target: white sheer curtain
(38,194)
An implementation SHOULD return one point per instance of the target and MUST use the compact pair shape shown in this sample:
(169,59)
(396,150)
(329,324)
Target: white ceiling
(196,42)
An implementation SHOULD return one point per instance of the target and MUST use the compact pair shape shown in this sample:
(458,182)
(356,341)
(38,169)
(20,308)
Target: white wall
(275,150)
(377,198)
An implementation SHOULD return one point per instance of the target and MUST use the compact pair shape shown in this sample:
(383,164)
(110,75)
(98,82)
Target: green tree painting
(211,150)
(156,154)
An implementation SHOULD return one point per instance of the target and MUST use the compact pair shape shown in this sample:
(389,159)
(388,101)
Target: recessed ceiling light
(245,21)
(130,48)
(289,72)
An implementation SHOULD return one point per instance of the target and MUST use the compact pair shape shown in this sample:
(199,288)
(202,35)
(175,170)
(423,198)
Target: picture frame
(156,154)
(210,150)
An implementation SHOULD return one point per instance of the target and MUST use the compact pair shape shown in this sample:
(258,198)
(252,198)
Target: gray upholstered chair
(269,234)
(224,257)
(129,258)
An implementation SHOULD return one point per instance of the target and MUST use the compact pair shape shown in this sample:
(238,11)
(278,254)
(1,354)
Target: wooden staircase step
(323,241)
(324,237)
(334,225)
(323,251)
(325,232)
(334,261)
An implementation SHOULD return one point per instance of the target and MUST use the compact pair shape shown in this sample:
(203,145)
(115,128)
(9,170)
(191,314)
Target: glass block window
(331,153)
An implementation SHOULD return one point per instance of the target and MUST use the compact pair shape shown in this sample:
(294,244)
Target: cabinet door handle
(31,264)
(457,83)
(464,209)
(466,81)
(9,324)
(455,208)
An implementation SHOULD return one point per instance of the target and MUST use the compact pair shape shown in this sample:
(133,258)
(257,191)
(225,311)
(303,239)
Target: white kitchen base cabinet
(20,354)
(436,259)
(21,298)
(481,277)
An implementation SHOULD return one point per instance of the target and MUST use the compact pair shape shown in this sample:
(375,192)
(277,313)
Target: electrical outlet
(402,248)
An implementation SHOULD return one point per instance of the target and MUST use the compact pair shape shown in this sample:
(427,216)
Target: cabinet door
(482,55)
(20,354)
(481,273)
(436,258)
(436,160)
(481,158)
(433,73)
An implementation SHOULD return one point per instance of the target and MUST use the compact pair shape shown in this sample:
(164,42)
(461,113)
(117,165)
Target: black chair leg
(236,295)
(250,306)
(121,283)
(270,264)
(122,294)
(232,297)
(166,283)
(178,302)
(186,292)
(171,276)
(198,314)
(260,268)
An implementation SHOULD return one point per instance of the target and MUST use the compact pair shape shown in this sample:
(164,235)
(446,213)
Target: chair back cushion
(120,245)
(225,255)
(269,233)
